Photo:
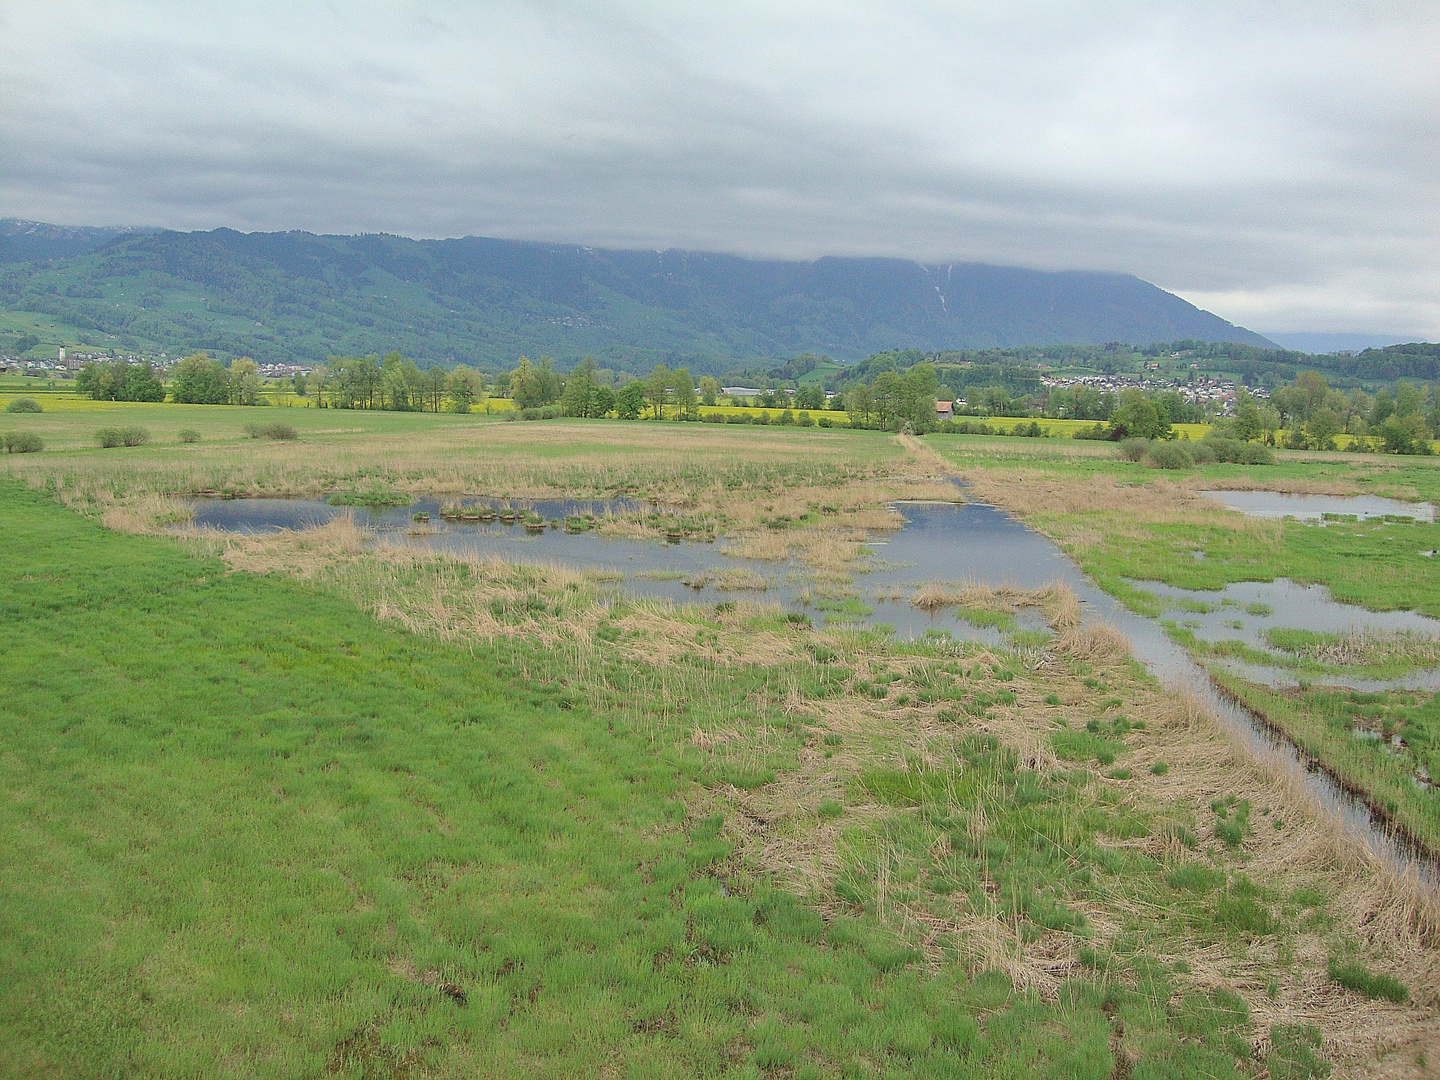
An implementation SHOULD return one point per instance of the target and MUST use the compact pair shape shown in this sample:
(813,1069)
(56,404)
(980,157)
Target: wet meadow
(1348,675)
(298,803)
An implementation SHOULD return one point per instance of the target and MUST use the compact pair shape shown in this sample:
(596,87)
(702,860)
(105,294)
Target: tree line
(1313,414)
(1307,413)
(396,383)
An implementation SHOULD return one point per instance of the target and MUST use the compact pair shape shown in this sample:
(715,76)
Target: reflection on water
(964,543)
(1280,504)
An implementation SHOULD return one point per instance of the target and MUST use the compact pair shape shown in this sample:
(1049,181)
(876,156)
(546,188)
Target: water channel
(941,542)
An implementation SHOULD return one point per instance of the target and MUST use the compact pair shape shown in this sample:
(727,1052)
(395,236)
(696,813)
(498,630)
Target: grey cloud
(1278,163)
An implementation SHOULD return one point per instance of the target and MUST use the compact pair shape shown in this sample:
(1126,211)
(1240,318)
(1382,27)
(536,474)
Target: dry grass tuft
(147,514)
(736,579)
(1057,600)
(1098,641)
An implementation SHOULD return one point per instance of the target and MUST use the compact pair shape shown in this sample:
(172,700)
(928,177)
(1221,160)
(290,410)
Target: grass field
(292,805)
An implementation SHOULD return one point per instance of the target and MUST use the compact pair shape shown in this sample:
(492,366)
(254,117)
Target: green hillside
(300,297)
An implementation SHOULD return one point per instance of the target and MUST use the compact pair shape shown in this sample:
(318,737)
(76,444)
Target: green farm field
(296,805)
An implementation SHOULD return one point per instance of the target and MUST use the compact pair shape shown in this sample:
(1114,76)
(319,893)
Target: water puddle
(1279,504)
(940,542)
(1247,611)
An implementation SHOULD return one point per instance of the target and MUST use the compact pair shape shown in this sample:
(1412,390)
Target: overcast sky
(1277,163)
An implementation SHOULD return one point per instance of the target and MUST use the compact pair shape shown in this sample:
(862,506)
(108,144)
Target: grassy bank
(295,805)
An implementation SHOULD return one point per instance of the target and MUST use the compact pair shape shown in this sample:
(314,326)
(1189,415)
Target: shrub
(274,430)
(804,419)
(1132,449)
(189,435)
(1236,452)
(22,442)
(24,405)
(1169,455)
(126,436)
(825,421)
(1356,976)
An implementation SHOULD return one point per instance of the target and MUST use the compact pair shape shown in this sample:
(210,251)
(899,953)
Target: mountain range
(299,297)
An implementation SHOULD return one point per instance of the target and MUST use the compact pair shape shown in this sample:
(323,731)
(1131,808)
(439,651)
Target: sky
(1277,163)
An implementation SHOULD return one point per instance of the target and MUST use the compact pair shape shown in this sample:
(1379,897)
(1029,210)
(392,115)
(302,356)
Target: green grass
(1376,565)
(1295,1053)
(1371,984)
(250,830)
(985,618)
(1086,746)
(1381,656)
(1323,723)
(1414,478)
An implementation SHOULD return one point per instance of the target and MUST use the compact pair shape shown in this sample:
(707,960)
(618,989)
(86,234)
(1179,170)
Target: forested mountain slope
(23,241)
(299,296)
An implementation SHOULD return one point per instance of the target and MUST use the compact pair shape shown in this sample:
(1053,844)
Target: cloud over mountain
(1277,163)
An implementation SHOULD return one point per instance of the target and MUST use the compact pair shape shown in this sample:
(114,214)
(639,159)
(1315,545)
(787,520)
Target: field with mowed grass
(302,804)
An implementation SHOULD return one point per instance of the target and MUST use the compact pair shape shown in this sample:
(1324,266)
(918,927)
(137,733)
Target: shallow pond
(958,543)
(1280,504)
(1247,610)
(940,542)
